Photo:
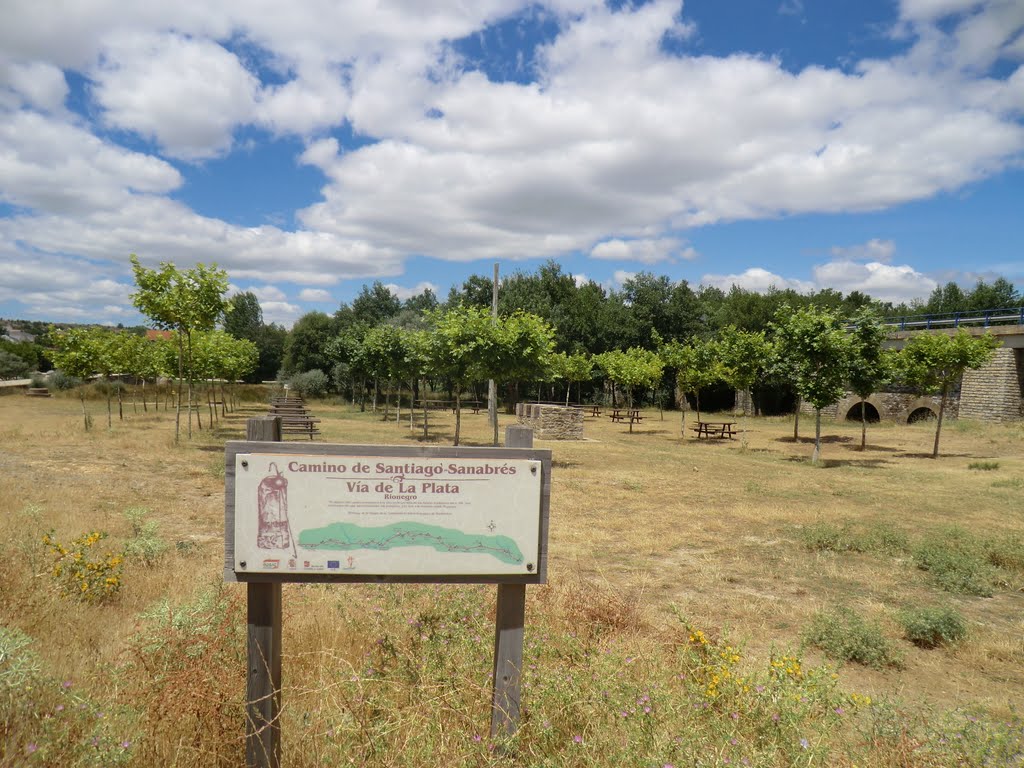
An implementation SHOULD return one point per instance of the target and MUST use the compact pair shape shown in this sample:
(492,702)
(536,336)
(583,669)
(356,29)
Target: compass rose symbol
(491,526)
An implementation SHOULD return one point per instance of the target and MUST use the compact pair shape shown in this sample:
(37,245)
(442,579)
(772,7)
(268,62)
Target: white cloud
(315,294)
(408,293)
(756,279)
(280,312)
(52,166)
(873,250)
(644,251)
(620,276)
(185,93)
(884,282)
(268,293)
(37,84)
(618,143)
(580,279)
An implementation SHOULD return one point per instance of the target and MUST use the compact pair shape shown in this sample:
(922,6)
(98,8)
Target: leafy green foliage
(632,369)
(309,383)
(846,636)
(935,361)
(930,627)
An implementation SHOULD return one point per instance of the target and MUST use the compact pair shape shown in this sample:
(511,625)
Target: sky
(311,147)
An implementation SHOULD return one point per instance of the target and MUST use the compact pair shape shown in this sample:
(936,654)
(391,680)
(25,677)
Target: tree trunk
(938,426)
(188,339)
(120,403)
(458,413)
(816,454)
(423,400)
(85,413)
(145,408)
(568,388)
(863,425)
(796,420)
(387,402)
(110,418)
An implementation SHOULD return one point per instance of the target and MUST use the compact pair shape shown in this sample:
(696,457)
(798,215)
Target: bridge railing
(983,317)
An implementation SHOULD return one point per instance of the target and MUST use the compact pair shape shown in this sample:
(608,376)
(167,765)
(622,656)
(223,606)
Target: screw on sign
(274,530)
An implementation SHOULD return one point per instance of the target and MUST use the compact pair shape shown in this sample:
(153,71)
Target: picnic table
(632,415)
(294,415)
(719,429)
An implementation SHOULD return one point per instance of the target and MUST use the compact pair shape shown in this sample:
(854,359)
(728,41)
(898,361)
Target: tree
(696,367)
(633,368)
(817,351)
(306,345)
(376,304)
(743,357)
(245,319)
(869,366)
(573,368)
(462,347)
(12,366)
(76,354)
(936,361)
(184,301)
(523,346)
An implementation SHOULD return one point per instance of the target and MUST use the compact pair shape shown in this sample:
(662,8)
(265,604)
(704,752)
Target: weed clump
(957,562)
(931,627)
(144,544)
(845,636)
(984,465)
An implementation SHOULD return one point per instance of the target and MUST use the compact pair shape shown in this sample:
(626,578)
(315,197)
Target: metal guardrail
(984,318)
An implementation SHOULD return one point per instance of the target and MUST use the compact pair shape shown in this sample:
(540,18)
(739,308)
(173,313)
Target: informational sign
(390,516)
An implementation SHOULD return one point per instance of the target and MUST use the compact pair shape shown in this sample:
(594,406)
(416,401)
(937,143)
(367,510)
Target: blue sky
(309,147)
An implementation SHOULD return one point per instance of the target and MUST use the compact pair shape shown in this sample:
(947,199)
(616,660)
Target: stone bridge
(992,393)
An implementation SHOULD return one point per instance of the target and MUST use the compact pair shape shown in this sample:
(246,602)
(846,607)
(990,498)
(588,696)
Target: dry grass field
(683,572)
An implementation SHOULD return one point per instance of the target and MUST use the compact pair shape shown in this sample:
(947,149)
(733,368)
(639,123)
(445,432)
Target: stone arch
(922,408)
(871,412)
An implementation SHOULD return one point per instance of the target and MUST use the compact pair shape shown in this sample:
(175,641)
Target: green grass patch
(984,465)
(957,562)
(844,635)
(880,538)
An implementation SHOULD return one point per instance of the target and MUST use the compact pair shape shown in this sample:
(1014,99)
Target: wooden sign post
(376,513)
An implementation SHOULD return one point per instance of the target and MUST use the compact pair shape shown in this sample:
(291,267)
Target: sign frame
(424,453)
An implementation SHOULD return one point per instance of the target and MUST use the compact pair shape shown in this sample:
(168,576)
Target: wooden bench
(719,429)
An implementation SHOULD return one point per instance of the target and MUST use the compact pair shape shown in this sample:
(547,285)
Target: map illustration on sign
(347,536)
(386,516)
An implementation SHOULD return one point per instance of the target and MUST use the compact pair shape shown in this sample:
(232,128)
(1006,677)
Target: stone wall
(995,392)
(897,405)
(551,422)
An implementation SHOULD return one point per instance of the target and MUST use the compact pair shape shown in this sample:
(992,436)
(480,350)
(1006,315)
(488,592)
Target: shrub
(957,562)
(933,626)
(845,636)
(38,380)
(309,384)
(144,544)
(80,571)
(61,382)
(12,366)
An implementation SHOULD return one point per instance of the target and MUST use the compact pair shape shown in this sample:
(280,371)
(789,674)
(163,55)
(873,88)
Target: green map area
(348,536)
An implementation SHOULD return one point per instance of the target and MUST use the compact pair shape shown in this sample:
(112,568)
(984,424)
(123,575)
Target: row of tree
(379,339)
(87,353)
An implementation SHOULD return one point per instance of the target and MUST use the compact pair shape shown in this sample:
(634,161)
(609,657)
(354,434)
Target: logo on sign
(272,564)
